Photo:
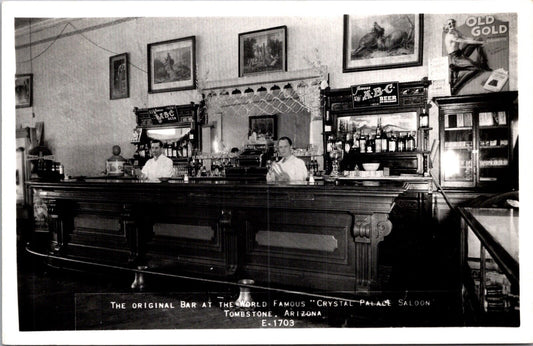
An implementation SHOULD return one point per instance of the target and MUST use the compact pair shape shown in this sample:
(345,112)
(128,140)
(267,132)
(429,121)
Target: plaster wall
(71,73)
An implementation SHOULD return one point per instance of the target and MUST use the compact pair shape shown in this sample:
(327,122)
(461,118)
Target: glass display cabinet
(477,140)
(489,247)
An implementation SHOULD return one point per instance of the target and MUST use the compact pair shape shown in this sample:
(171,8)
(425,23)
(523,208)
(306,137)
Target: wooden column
(57,225)
(368,231)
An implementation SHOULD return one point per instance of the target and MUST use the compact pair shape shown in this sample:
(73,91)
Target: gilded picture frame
(172,65)
(382,42)
(263,51)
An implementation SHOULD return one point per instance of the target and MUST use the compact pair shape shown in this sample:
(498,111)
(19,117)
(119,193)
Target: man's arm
(276,173)
(459,38)
(469,41)
(302,170)
(169,168)
(144,171)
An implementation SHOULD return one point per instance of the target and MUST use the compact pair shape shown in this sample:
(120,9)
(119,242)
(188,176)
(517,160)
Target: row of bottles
(368,142)
(198,168)
(372,143)
(312,167)
(183,148)
(178,149)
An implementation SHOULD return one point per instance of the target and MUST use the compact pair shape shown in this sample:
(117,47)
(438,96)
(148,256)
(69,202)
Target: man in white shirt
(159,165)
(289,168)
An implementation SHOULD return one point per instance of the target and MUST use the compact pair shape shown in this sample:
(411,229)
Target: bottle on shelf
(369,144)
(378,147)
(377,143)
(348,142)
(362,143)
(401,142)
(327,121)
(174,150)
(410,142)
(355,146)
(384,142)
(424,118)
(392,144)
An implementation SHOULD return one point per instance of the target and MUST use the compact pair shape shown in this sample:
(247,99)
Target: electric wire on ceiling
(30,60)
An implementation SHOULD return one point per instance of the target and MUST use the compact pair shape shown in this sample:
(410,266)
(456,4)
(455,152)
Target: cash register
(252,162)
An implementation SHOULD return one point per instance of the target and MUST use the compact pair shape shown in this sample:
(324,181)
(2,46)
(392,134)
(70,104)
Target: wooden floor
(63,299)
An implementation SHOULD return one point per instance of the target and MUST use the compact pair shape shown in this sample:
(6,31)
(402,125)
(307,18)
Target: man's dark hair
(285,138)
(156,141)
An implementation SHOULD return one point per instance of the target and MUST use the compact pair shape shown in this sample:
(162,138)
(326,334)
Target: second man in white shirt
(159,165)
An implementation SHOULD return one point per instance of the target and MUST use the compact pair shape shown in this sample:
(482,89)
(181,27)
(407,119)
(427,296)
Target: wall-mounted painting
(24,90)
(172,65)
(262,127)
(263,51)
(382,41)
(119,84)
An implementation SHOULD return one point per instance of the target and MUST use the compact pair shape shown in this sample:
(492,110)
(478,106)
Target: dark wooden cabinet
(477,141)
(343,121)
(177,126)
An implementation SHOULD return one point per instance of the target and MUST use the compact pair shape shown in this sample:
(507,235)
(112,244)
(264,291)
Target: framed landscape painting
(382,41)
(23,90)
(263,51)
(119,85)
(172,65)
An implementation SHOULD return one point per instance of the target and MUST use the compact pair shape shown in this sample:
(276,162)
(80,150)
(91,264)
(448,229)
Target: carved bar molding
(314,237)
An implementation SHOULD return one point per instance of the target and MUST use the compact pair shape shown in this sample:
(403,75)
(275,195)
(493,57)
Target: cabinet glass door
(457,161)
(493,146)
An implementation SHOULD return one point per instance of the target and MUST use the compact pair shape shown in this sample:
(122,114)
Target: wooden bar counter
(320,237)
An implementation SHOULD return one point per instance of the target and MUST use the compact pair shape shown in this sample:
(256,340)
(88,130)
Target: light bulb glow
(450,163)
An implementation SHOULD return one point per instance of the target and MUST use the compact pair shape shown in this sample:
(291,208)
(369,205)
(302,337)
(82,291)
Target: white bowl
(370,166)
